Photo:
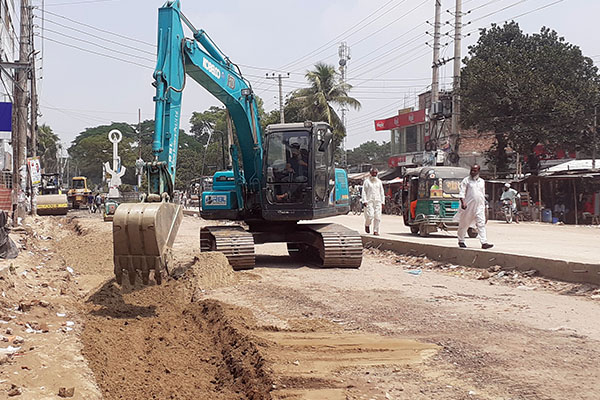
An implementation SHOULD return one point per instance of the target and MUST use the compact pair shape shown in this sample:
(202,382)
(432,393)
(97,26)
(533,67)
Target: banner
(399,121)
(5,117)
(34,170)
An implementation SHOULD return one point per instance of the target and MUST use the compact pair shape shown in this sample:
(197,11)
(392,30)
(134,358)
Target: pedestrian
(98,201)
(472,208)
(373,198)
(512,195)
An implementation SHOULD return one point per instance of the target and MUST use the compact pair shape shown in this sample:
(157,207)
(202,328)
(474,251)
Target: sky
(96,57)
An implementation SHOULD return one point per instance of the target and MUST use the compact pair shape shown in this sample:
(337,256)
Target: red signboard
(411,118)
(396,161)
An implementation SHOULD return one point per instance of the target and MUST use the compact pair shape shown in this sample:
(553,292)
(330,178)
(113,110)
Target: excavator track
(338,247)
(234,241)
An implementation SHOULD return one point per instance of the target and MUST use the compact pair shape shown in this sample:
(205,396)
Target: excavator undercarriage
(326,244)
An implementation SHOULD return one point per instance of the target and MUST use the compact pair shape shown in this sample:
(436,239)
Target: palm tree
(318,102)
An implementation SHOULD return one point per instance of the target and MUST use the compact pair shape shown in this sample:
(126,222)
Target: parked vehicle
(79,192)
(430,199)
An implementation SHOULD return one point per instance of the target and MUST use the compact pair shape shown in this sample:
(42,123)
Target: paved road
(560,242)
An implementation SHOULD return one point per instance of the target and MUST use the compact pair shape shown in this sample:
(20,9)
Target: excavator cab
(299,172)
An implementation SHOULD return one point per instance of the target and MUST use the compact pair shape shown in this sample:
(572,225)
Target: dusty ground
(397,328)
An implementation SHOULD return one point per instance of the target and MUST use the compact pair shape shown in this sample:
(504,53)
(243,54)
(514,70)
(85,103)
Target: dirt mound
(156,343)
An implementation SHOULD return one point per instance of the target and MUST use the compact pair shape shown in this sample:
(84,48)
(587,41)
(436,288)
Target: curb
(567,271)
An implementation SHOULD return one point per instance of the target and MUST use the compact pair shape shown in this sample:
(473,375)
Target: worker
(373,198)
(472,207)
(511,194)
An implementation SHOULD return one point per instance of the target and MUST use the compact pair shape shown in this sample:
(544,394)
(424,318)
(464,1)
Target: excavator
(278,177)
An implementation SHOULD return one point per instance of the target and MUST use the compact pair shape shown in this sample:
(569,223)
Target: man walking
(373,198)
(472,208)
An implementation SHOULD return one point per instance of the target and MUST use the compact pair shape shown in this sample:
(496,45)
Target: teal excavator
(279,177)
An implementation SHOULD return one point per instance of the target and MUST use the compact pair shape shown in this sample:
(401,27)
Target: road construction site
(402,326)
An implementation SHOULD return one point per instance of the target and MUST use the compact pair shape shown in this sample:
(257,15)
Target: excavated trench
(159,342)
(155,343)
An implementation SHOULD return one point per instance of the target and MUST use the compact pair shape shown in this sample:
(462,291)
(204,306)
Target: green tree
(48,146)
(528,90)
(318,101)
(211,120)
(369,152)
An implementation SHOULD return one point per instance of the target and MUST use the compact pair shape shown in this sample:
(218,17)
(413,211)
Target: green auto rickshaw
(430,199)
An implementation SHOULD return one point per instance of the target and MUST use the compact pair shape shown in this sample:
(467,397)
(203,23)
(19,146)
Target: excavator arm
(143,233)
(198,58)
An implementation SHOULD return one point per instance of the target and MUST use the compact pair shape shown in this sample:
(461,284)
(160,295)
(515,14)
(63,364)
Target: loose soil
(285,330)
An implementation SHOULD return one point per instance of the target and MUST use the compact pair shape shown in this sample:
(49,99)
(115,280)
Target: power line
(525,13)
(393,22)
(77,3)
(341,35)
(99,29)
(96,36)
(98,53)
(97,45)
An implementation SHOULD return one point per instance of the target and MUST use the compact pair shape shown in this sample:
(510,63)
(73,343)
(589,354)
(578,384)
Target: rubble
(495,274)
(66,392)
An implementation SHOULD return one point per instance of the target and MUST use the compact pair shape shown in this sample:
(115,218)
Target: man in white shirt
(373,198)
(512,195)
(472,208)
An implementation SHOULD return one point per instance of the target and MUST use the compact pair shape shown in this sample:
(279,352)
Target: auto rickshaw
(430,199)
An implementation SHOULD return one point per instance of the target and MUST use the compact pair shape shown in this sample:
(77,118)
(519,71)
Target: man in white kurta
(472,208)
(373,198)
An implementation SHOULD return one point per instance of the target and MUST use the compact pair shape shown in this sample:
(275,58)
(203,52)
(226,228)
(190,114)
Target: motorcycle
(355,204)
(507,210)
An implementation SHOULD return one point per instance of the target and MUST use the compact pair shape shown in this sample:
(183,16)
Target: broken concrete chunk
(66,392)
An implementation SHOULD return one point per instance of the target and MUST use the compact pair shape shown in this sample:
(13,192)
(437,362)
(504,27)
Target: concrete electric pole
(20,116)
(279,78)
(344,53)
(435,74)
(455,135)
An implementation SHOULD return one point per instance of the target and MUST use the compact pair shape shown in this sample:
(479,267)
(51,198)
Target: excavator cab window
(78,184)
(287,165)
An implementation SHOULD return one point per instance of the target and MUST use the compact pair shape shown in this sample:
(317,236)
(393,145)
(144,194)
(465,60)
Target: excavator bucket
(52,204)
(143,234)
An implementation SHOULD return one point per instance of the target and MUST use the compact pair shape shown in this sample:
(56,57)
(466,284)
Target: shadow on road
(283,262)
(431,236)
(110,299)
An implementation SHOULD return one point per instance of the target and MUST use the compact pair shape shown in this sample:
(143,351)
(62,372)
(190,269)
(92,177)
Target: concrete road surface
(559,242)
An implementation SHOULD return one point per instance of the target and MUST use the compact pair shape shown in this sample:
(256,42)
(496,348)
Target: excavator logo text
(212,68)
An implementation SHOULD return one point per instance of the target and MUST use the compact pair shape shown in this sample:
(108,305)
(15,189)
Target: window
(411,138)
(287,165)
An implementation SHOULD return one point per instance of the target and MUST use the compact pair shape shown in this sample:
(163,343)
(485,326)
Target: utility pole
(20,114)
(344,53)
(594,133)
(139,163)
(279,78)
(435,74)
(455,135)
(34,97)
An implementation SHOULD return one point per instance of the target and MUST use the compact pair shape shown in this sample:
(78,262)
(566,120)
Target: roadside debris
(66,392)
(8,248)
(495,274)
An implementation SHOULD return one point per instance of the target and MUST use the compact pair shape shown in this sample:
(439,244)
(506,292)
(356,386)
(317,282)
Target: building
(9,42)
(412,146)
